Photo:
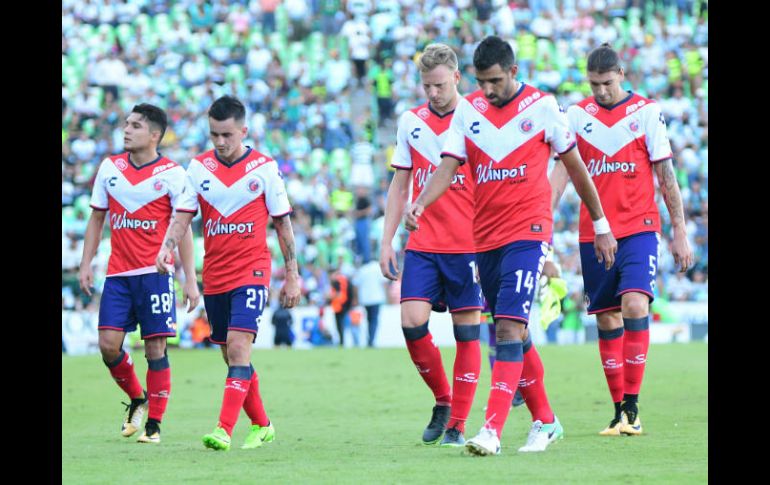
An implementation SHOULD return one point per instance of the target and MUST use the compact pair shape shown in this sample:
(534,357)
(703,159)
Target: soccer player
(440,266)
(236,188)
(622,138)
(139,189)
(506,130)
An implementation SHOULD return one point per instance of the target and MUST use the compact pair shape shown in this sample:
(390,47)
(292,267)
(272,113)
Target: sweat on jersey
(235,201)
(446,226)
(140,202)
(508,149)
(619,144)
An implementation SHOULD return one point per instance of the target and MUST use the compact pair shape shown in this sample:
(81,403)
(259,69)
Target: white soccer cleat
(484,443)
(541,435)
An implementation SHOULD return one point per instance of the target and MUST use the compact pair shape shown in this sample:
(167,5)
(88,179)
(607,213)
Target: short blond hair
(436,55)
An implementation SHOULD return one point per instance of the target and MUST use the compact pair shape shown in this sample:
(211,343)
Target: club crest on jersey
(592,109)
(634,126)
(423,113)
(526,125)
(481,104)
(121,164)
(255,186)
(210,164)
(158,185)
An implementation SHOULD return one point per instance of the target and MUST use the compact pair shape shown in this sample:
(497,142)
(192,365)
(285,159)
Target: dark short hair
(227,107)
(493,50)
(603,59)
(155,117)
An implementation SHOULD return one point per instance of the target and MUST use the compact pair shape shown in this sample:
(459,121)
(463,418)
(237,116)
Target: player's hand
(680,249)
(605,247)
(550,270)
(290,293)
(163,261)
(412,214)
(191,295)
(388,262)
(86,278)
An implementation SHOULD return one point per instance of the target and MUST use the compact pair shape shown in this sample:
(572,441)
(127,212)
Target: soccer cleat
(217,440)
(630,424)
(518,399)
(541,435)
(484,443)
(151,433)
(134,415)
(258,435)
(613,429)
(453,438)
(435,428)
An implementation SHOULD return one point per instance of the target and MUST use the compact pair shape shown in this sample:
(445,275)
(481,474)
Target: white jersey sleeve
(573,115)
(187,201)
(99,199)
(401,157)
(656,135)
(276,198)
(557,130)
(454,144)
(176,184)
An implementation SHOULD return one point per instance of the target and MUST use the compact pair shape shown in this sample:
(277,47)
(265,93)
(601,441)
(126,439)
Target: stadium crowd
(324,82)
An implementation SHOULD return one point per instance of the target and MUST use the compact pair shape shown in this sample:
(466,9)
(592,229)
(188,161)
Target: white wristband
(601,226)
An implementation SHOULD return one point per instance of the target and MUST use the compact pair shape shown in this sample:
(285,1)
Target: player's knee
(155,348)
(109,350)
(635,305)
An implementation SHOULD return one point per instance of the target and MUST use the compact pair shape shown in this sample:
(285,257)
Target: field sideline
(357,415)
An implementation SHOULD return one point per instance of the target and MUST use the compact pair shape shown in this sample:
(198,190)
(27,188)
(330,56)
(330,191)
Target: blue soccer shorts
(436,278)
(147,300)
(636,264)
(238,309)
(509,278)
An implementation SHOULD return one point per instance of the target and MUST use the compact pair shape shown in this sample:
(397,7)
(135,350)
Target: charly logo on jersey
(161,168)
(635,106)
(592,109)
(600,167)
(481,104)
(423,113)
(122,221)
(526,125)
(422,175)
(121,164)
(489,173)
(217,227)
(210,164)
(634,126)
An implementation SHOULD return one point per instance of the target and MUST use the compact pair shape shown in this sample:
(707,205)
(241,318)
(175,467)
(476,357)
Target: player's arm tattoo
(286,241)
(670,190)
(175,233)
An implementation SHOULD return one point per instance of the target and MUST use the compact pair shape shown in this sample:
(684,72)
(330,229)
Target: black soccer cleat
(438,422)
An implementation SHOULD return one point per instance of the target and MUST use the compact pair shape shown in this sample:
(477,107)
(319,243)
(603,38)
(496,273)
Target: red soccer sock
(635,346)
(532,386)
(427,359)
(236,388)
(466,377)
(122,370)
(253,406)
(505,379)
(611,352)
(158,387)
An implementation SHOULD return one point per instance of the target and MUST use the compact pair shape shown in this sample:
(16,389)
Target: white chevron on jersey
(489,136)
(228,200)
(428,146)
(608,139)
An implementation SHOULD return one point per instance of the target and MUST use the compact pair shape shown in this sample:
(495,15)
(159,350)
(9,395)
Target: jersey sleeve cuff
(400,167)
(667,157)
(572,145)
(456,157)
(189,211)
(282,215)
(98,208)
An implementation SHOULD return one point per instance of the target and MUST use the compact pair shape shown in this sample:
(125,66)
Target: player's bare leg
(121,368)
(158,387)
(611,338)
(427,359)
(467,367)
(636,322)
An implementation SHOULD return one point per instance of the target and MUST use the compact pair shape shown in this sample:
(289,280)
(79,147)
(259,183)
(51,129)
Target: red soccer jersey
(139,201)
(619,146)
(421,134)
(235,201)
(508,149)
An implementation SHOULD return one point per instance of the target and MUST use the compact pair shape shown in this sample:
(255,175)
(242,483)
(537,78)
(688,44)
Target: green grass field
(356,416)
